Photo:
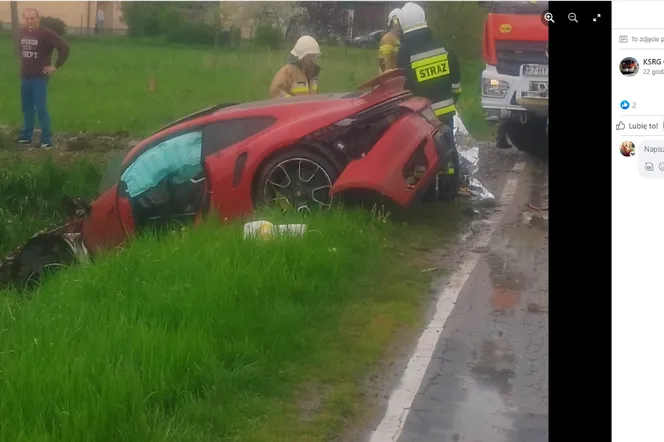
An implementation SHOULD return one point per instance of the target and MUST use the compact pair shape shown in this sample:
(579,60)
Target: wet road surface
(487,379)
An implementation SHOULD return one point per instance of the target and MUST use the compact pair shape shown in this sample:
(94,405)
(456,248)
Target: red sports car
(298,153)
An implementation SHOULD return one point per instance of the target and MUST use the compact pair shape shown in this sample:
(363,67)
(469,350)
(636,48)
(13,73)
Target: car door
(148,187)
(226,145)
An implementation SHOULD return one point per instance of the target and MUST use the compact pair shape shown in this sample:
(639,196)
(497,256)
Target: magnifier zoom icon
(549,17)
(572,17)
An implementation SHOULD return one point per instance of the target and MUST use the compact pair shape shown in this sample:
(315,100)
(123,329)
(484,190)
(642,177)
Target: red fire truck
(515,82)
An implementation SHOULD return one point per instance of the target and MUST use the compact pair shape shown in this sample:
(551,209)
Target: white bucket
(266,230)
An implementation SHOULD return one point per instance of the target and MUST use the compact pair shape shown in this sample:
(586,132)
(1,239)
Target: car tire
(531,137)
(329,174)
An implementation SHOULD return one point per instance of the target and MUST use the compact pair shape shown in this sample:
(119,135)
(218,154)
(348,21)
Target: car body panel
(381,169)
(103,228)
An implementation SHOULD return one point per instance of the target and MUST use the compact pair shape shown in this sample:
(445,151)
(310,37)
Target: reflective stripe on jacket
(387,51)
(431,71)
(292,80)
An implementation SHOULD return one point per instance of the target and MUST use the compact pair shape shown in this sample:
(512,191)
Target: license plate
(535,70)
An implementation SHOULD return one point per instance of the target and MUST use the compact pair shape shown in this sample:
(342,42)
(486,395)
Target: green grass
(31,194)
(104,86)
(231,346)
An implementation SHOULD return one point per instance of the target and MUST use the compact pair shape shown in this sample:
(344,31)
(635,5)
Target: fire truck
(515,82)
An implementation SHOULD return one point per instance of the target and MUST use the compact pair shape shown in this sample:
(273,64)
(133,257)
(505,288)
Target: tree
(278,14)
(459,24)
(325,18)
(16,30)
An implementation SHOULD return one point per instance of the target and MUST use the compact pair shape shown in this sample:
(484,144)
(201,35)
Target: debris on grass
(267,230)
(469,157)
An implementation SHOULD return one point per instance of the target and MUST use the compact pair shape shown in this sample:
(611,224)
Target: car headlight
(494,88)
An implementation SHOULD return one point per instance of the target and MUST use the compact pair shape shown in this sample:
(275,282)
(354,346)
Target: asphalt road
(479,372)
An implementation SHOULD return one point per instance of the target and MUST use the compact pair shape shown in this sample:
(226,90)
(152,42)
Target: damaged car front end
(47,250)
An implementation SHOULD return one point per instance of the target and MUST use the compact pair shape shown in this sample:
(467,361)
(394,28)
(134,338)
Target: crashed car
(296,153)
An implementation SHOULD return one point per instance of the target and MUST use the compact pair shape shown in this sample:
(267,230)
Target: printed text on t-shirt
(29,48)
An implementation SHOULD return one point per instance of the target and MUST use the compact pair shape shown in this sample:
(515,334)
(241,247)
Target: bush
(150,19)
(194,34)
(268,37)
(54,24)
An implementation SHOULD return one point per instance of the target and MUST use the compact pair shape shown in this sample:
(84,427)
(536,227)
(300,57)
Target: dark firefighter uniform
(431,72)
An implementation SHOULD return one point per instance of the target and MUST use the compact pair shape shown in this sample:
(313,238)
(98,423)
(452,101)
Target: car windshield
(112,173)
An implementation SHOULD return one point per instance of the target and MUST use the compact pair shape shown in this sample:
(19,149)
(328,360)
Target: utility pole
(15,28)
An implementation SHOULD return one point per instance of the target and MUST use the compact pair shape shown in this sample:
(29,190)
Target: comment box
(650,156)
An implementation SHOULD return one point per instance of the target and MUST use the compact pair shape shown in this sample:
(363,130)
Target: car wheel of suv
(298,180)
(531,137)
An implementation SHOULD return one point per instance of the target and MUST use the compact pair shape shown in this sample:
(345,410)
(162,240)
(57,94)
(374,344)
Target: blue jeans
(33,99)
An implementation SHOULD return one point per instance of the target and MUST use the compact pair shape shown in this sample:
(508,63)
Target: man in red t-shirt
(37,46)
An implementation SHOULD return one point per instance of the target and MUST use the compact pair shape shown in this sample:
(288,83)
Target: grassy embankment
(105,87)
(200,335)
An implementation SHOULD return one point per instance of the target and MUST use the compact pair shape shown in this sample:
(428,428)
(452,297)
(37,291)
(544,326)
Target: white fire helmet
(412,17)
(305,45)
(393,15)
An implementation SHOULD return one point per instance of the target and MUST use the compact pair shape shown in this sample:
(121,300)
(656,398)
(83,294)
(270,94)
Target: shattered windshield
(112,173)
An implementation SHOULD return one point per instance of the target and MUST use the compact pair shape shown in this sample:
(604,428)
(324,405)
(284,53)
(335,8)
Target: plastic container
(266,230)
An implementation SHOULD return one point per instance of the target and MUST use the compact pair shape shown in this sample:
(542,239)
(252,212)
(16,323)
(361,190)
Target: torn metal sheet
(469,157)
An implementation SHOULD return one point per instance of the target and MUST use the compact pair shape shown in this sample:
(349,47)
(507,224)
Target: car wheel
(41,258)
(449,178)
(531,137)
(298,179)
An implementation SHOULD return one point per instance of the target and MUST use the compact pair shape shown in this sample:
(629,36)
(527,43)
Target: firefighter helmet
(304,46)
(393,17)
(412,17)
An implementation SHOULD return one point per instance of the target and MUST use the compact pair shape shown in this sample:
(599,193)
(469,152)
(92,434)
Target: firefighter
(431,70)
(389,43)
(299,76)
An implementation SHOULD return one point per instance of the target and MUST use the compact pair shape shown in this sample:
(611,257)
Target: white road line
(402,397)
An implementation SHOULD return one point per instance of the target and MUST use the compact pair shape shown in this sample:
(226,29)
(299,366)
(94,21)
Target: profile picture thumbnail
(629,67)
(627,148)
